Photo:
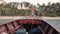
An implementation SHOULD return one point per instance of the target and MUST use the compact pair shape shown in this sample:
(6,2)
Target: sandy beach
(29,17)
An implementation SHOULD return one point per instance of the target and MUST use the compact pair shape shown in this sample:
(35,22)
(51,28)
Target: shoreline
(28,17)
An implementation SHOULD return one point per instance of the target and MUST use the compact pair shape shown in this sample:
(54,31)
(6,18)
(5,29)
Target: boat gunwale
(53,26)
(16,20)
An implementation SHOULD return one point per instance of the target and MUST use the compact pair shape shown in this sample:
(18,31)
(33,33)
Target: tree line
(51,10)
(7,10)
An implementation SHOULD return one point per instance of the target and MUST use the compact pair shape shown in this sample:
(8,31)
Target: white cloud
(34,1)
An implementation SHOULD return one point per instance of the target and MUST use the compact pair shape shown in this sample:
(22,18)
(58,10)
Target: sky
(34,1)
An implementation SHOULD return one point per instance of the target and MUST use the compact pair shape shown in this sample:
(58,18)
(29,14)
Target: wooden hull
(45,28)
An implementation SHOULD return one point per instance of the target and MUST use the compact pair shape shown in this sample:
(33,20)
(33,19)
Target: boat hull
(28,24)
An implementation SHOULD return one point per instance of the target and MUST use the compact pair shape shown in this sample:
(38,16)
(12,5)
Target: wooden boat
(44,26)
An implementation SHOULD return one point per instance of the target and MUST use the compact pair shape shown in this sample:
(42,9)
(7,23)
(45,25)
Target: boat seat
(2,28)
(15,24)
(11,28)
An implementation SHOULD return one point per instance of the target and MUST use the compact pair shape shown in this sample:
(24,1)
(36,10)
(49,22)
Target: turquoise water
(55,23)
(3,21)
